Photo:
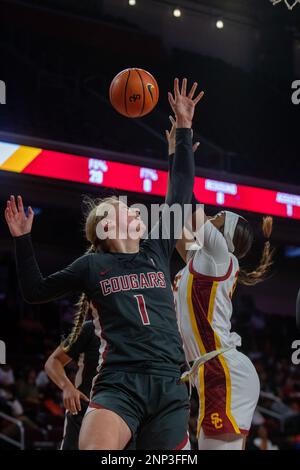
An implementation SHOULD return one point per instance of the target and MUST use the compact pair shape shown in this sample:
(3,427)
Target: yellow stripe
(200,342)
(203,351)
(222,359)
(20,159)
(212,299)
(228,386)
(202,399)
(192,315)
(228,394)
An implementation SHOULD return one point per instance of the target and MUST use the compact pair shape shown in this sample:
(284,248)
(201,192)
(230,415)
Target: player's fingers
(199,97)
(171,101)
(176,88)
(77,402)
(30,213)
(13,205)
(192,90)
(20,204)
(173,122)
(9,211)
(84,397)
(7,215)
(183,87)
(73,408)
(167,134)
(67,404)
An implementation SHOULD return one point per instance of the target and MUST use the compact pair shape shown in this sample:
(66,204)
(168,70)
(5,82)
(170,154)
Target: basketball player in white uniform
(226,380)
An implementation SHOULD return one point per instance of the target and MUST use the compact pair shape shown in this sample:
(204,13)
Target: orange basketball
(134,92)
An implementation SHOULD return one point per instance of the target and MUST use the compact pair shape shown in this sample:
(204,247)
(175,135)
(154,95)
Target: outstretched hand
(171,137)
(18,222)
(183,105)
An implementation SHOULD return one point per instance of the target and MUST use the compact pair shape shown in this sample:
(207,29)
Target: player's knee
(88,446)
(100,444)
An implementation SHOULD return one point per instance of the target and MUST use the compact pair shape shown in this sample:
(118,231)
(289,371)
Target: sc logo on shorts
(216,421)
(2,92)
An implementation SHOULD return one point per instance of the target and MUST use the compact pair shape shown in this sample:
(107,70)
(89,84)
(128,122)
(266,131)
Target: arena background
(57,59)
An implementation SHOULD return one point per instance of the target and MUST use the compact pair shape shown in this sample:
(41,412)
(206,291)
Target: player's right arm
(198,230)
(36,288)
(55,369)
(181,181)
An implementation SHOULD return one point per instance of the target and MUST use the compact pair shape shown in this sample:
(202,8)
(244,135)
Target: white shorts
(228,388)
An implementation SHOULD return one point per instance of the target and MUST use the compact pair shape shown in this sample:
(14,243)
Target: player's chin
(137,232)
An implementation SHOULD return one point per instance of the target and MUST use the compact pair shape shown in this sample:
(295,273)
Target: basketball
(134,92)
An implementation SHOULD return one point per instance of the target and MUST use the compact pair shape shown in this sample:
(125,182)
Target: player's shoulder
(97,259)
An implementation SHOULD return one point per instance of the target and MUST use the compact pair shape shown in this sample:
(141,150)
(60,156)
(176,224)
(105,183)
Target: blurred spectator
(262,442)
(42,380)
(27,389)
(7,376)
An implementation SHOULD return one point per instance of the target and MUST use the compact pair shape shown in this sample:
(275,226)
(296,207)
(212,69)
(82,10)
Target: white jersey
(227,384)
(203,292)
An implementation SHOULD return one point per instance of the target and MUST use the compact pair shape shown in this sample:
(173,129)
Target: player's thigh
(168,430)
(245,389)
(103,430)
(225,441)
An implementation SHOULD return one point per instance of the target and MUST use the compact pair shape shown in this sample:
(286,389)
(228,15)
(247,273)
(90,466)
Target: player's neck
(124,246)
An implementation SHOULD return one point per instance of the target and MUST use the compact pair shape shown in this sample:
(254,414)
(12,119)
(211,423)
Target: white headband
(231,220)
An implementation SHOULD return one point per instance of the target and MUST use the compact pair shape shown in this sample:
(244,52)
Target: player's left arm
(59,359)
(36,288)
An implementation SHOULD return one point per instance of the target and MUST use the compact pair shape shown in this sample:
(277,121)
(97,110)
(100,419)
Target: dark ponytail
(259,274)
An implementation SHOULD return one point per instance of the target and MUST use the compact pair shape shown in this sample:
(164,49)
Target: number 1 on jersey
(142,309)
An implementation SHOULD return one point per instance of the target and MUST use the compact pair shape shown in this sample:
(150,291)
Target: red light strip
(138,179)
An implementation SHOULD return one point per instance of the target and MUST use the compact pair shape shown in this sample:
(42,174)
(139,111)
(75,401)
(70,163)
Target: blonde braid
(82,306)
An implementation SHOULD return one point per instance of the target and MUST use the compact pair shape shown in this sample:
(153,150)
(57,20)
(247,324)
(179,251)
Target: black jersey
(85,351)
(131,293)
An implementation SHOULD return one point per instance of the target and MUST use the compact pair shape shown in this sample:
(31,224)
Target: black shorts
(155,407)
(72,427)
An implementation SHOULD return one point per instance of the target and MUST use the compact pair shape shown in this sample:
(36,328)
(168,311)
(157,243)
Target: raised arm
(198,217)
(35,288)
(198,231)
(181,183)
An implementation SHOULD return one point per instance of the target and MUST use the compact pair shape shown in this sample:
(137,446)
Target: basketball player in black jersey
(137,393)
(84,351)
